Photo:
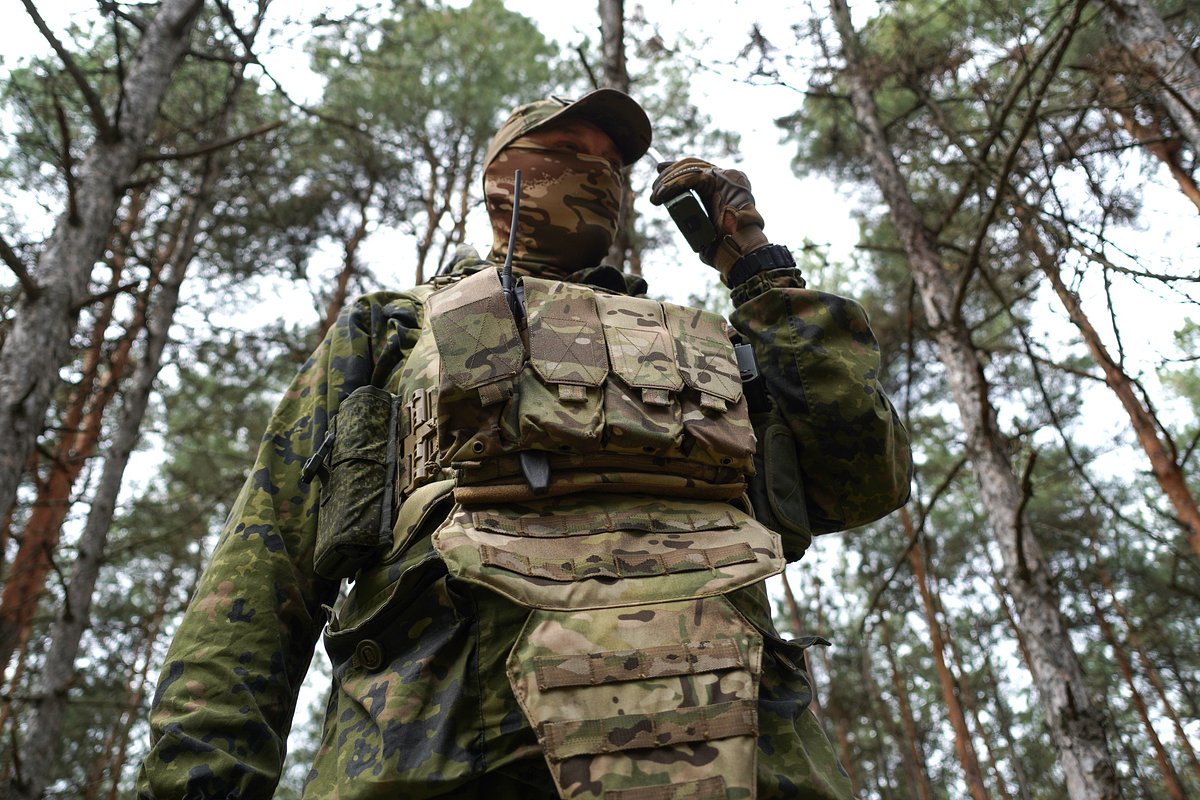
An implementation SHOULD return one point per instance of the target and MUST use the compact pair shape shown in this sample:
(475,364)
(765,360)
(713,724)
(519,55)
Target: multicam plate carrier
(595,453)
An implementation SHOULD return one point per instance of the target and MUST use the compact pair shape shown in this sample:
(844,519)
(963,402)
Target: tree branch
(212,147)
(1026,496)
(14,262)
(95,298)
(95,107)
(1066,34)
(64,132)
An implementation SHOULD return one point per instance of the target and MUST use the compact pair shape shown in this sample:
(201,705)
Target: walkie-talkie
(690,217)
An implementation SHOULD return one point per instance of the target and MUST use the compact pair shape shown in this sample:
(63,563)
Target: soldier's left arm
(820,361)
(220,716)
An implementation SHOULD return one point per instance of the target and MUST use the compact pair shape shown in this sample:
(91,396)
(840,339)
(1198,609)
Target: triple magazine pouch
(638,676)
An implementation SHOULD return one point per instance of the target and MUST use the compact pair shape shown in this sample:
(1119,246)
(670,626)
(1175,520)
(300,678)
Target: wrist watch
(771,256)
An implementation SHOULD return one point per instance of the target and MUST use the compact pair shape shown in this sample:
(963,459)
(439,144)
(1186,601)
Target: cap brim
(615,113)
(612,111)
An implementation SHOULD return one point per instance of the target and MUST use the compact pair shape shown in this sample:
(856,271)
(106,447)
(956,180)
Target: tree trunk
(1135,639)
(1137,27)
(58,669)
(914,759)
(622,254)
(1155,140)
(964,747)
(40,339)
(834,712)
(1165,767)
(81,427)
(349,267)
(1076,724)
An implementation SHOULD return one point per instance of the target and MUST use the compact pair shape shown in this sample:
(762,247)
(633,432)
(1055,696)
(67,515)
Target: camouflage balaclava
(569,207)
(570,201)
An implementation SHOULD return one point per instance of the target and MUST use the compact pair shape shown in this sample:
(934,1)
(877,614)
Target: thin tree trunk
(914,759)
(1164,462)
(1137,27)
(1155,141)
(58,669)
(1135,639)
(964,746)
(1076,724)
(1165,767)
(81,427)
(349,267)
(40,339)
(835,713)
(622,253)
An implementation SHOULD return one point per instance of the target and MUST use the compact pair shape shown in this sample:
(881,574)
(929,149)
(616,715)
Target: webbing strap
(555,525)
(618,565)
(704,789)
(649,731)
(593,669)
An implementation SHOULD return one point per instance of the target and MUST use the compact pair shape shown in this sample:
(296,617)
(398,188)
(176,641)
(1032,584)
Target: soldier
(557,513)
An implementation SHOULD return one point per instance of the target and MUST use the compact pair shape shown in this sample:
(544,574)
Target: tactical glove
(728,201)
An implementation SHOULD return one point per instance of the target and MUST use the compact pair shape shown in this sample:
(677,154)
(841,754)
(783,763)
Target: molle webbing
(558,525)
(650,731)
(594,669)
(650,387)
(619,565)
(703,789)
(624,713)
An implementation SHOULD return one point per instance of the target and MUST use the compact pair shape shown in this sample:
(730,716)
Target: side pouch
(777,489)
(357,493)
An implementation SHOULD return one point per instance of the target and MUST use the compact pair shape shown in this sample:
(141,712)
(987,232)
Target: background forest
(183,218)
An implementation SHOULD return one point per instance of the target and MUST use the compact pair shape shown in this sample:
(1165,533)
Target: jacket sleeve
(821,364)
(221,714)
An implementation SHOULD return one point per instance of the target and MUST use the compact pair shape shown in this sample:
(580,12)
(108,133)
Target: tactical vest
(593,453)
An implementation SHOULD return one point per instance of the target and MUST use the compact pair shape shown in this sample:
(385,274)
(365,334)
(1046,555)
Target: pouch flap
(477,338)
(705,354)
(566,340)
(639,346)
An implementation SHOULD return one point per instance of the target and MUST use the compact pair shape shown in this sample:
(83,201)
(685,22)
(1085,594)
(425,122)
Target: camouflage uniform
(431,697)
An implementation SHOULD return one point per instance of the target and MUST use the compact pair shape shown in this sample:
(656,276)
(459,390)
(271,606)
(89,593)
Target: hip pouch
(357,465)
(637,674)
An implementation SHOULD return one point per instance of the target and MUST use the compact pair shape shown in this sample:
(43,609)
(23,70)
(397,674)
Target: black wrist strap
(771,256)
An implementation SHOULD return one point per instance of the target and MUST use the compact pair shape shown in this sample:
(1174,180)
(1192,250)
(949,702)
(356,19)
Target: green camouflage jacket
(444,715)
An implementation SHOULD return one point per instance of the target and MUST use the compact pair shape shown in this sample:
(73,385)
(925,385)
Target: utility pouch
(354,523)
(777,488)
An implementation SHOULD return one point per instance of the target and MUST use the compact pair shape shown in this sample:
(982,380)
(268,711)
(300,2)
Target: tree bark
(1075,722)
(914,759)
(1165,767)
(1155,140)
(81,426)
(1137,27)
(964,746)
(58,669)
(40,339)
(1135,639)
(621,254)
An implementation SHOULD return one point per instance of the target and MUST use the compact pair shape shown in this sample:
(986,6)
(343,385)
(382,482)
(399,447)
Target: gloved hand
(727,199)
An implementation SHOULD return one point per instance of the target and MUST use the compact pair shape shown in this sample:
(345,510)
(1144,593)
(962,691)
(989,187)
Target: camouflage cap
(614,112)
